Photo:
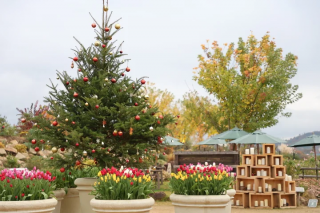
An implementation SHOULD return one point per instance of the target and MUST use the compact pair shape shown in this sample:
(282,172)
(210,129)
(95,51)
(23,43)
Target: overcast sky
(162,39)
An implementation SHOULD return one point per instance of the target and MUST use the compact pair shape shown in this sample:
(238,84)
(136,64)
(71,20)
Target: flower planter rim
(137,205)
(28,205)
(200,200)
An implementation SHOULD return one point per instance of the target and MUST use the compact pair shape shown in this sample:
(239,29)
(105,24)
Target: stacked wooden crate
(262,181)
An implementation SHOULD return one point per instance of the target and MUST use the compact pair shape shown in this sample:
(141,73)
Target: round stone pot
(231,193)
(122,206)
(59,195)
(71,202)
(30,206)
(200,203)
(84,187)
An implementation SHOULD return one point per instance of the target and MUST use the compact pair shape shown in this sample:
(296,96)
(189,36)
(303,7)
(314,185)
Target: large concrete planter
(84,187)
(59,195)
(200,203)
(230,193)
(122,206)
(71,202)
(30,206)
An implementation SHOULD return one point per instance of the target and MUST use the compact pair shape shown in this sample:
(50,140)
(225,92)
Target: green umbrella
(170,141)
(312,140)
(232,134)
(258,137)
(212,141)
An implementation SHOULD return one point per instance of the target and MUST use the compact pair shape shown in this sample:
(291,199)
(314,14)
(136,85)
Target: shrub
(21,148)
(36,161)
(11,162)
(1,145)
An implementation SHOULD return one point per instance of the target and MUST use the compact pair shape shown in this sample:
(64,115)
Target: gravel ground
(166,207)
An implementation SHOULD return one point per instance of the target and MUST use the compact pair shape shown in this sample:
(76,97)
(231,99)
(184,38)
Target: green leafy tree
(251,82)
(101,114)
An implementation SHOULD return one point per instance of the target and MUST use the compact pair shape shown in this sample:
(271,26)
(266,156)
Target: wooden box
(258,169)
(291,200)
(274,160)
(251,157)
(266,147)
(259,160)
(276,170)
(274,184)
(260,197)
(245,181)
(246,171)
(259,182)
(293,186)
(243,200)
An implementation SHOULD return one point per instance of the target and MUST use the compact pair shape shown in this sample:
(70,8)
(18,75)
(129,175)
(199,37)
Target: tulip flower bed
(202,180)
(123,184)
(17,185)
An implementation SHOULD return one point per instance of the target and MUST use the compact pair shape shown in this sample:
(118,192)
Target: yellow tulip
(196,179)
(101,178)
(99,174)
(139,179)
(215,177)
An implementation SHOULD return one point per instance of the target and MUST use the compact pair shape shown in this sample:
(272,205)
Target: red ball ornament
(103,46)
(127,162)
(42,141)
(128,69)
(34,141)
(113,80)
(51,158)
(79,70)
(85,79)
(67,83)
(93,25)
(165,148)
(37,149)
(145,150)
(77,144)
(143,81)
(78,163)
(75,80)
(178,116)
(107,29)
(62,149)
(62,170)
(75,58)
(73,122)
(23,120)
(122,74)
(54,123)
(161,116)
(158,122)
(95,59)
(93,151)
(163,153)
(120,133)
(143,111)
(121,51)
(75,95)
(97,106)
(176,123)
(137,117)
(136,104)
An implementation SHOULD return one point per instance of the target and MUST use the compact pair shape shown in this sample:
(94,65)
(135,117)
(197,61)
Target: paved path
(166,207)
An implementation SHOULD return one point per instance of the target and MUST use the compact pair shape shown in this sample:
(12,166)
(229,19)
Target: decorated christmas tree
(102,114)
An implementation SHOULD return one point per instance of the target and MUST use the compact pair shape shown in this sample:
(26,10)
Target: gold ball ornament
(66,119)
(106,79)
(146,97)
(97,43)
(110,53)
(54,149)
(84,153)
(117,26)
(86,104)
(105,8)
